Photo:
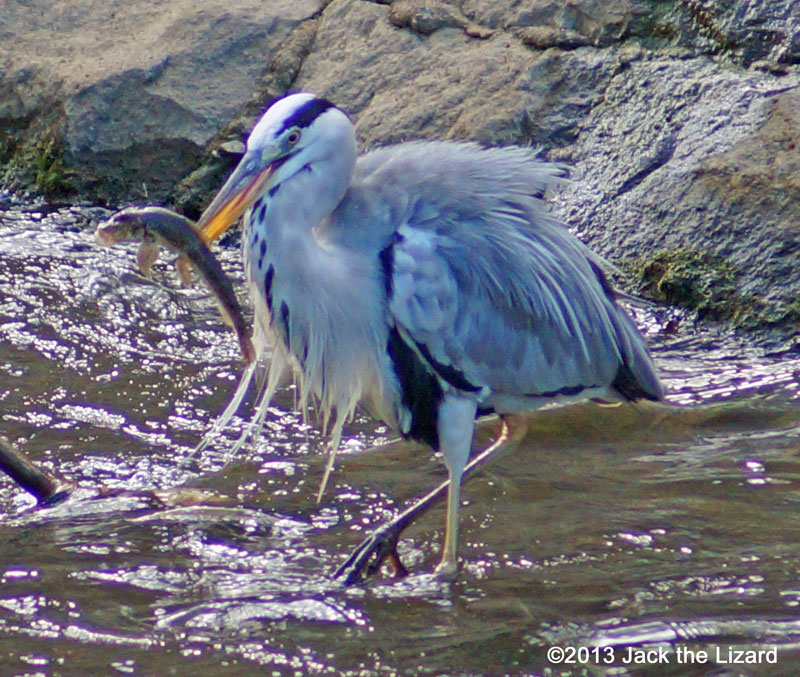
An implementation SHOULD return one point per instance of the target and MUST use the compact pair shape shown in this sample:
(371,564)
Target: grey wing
(501,300)
(540,326)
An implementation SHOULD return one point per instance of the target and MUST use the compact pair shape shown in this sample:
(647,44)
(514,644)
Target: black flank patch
(386,258)
(421,393)
(306,114)
(268,286)
(449,373)
(566,391)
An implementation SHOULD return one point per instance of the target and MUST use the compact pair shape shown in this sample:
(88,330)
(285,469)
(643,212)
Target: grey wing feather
(485,283)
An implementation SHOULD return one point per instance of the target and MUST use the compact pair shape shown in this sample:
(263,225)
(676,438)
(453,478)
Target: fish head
(128,224)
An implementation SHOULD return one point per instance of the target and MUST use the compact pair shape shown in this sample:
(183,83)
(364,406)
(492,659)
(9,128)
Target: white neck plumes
(306,290)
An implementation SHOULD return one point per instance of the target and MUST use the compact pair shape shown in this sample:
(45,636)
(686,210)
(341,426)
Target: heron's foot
(367,558)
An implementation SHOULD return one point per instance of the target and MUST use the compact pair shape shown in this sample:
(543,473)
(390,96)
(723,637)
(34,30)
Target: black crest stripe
(306,114)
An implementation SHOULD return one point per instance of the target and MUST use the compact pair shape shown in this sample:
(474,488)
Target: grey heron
(425,280)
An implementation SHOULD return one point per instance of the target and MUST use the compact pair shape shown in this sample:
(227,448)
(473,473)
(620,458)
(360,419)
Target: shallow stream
(634,540)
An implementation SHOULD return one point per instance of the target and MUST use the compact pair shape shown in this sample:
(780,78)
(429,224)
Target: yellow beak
(240,191)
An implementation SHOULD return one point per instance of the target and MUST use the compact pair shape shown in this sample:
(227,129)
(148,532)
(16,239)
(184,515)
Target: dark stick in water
(40,484)
(157,226)
(48,490)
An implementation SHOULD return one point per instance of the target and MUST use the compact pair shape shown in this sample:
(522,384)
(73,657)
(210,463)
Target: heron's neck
(280,229)
(300,202)
(305,289)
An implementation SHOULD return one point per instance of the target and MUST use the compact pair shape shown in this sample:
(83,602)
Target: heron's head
(299,132)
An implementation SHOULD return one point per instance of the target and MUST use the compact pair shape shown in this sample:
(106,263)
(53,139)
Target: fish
(159,227)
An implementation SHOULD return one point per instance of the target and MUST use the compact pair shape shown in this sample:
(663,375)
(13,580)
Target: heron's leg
(367,558)
(455,425)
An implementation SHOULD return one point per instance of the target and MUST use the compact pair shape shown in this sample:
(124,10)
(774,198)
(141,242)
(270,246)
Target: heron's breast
(326,307)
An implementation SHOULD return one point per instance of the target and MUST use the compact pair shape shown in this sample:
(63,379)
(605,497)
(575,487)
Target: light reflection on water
(607,528)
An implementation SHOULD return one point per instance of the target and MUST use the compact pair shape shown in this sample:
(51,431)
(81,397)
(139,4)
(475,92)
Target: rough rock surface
(679,117)
(717,172)
(118,100)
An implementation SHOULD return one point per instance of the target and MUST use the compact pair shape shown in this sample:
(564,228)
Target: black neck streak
(287,337)
(268,278)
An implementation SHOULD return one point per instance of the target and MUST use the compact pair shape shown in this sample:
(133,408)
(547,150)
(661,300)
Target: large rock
(680,118)
(118,100)
(712,181)
(448,84)
(686,169)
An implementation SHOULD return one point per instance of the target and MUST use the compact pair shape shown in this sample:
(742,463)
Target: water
(671,530)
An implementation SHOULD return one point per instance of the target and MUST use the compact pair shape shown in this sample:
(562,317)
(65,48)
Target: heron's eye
(293,137)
